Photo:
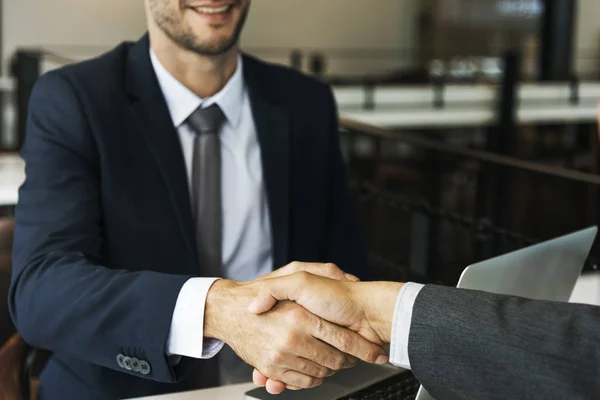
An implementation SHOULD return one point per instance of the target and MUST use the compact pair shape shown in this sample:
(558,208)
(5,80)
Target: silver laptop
(546,271)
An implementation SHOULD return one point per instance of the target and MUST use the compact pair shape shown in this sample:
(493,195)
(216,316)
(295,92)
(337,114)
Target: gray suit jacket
(473,345)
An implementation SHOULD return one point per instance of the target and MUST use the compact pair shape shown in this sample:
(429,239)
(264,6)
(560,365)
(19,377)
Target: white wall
(314,24)
(335,24)
(70,22)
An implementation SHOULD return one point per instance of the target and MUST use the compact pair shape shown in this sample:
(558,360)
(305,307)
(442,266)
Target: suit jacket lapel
(159,134)
(274,134)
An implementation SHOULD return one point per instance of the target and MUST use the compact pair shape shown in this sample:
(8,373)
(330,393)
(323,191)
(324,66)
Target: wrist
(219,309)
(378,301)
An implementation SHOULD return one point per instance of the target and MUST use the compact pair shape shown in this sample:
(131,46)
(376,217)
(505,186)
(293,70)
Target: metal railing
(429,209)
(439,105)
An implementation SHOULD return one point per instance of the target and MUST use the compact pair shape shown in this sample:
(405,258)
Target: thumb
(272,290)
(262,303)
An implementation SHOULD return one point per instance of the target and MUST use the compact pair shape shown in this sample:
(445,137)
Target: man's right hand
(288,344)
(364,307)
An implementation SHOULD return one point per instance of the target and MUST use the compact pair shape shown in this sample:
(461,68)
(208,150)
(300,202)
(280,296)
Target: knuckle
(310,369)
(306,368)
(271,372)
(310,382)
(319,326)
(290,340)
(332,269)
(323,372)
(307,382)
(346,342)
(370,355)
(351,362)
(303,276)
(296,315)
(338,361)
(276,358)
(313,354)
(304,383)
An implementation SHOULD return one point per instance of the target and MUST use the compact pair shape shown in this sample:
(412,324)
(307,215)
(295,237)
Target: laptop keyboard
(403,386)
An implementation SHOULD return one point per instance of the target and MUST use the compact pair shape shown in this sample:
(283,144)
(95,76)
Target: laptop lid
(545,271)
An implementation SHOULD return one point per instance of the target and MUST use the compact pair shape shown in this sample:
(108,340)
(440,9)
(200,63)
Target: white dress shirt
(401,324)
(247,252)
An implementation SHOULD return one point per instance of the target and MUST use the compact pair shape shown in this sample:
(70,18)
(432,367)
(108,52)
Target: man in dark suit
(152,171)
(460,344)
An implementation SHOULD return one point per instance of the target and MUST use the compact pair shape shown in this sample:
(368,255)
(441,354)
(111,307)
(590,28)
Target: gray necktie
(206,199)
(206,188)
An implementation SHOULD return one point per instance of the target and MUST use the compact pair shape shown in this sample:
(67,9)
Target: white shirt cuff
(401,324)
(186,337)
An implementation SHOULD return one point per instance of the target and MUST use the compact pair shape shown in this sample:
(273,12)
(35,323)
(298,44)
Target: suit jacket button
(135,365)
(144,368)
(120,359)
(127,363)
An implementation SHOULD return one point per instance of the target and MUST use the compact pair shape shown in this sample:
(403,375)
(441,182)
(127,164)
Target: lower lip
(219,18)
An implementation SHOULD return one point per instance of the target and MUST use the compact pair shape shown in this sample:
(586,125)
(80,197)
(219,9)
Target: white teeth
(213,10)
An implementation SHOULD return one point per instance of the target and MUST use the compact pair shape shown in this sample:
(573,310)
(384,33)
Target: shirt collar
(182,102)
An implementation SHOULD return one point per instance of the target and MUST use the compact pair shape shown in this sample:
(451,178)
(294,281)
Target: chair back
(7,232)
(14,380)
(7,328)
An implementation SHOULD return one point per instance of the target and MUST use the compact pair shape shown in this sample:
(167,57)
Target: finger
(299,380)
(292,268)
(259,379)
(307,367)
(321,353)
(262,381)
(352,278)
(289,287)
(274,382)
(297,360)
(263,302)
(271,290)
(274,387)
(348,342)
(351,361)
(328,270)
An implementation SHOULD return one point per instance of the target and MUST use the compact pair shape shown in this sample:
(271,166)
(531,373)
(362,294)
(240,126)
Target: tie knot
(207,120)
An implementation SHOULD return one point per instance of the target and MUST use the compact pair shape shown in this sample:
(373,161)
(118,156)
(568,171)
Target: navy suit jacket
(104,237)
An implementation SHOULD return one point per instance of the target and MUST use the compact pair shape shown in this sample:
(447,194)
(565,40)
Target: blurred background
(468,126)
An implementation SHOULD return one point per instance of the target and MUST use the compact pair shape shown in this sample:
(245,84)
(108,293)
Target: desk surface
(12,175)
(233,392)
(587,290)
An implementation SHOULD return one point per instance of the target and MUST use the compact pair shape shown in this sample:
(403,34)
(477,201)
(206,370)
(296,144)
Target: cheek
(166,19)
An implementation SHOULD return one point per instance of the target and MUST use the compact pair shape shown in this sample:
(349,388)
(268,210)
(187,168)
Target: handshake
(302,323)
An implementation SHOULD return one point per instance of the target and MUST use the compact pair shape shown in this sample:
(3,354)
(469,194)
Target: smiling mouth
(213,10)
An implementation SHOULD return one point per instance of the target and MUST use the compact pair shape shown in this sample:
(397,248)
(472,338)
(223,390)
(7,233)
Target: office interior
(469,128)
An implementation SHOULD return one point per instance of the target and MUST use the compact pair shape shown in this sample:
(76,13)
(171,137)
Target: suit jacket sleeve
(63,297)
(344,242)
(474,345)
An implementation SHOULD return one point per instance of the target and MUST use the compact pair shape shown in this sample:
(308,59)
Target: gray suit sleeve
(473,345)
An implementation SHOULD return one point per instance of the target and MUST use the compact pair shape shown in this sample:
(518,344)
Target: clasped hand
(365,308)
(298,341)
